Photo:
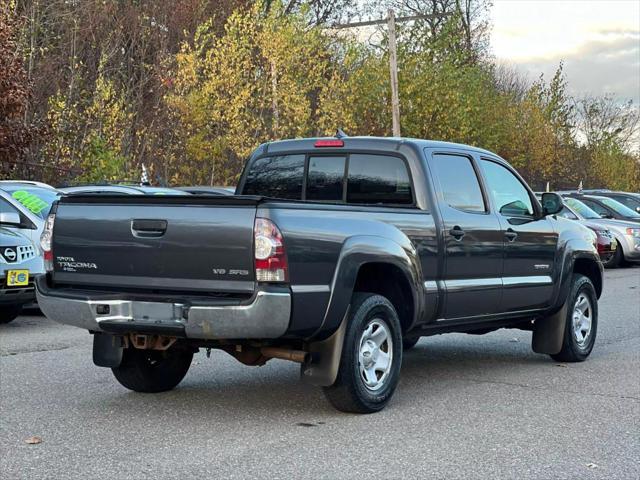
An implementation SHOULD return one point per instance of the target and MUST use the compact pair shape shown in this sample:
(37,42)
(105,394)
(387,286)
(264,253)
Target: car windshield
(35,199)
(632,202)
(618,207)
(581,208)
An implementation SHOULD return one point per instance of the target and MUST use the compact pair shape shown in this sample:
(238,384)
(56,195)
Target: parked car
(121,190)
(607,207)
(627,234)
(101,189)
(204,190)
(31,201)
(337,253)
(604,239)
(19,263)
(629,200)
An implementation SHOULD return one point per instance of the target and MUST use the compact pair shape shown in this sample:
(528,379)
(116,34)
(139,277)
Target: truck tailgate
(160,243)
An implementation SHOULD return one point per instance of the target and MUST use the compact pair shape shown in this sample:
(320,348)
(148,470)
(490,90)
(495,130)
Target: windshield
(631,202)
(618,207)
(581,208)
(37,200)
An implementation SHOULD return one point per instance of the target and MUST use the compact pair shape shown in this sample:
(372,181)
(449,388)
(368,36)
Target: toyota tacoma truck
(336,253)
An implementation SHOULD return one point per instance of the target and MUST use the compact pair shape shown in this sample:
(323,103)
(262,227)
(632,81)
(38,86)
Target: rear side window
(325,178)
(278,177)
(378,179)
(459,183)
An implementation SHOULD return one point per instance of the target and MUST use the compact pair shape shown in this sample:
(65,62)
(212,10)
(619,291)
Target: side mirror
(10,218)
(551,203)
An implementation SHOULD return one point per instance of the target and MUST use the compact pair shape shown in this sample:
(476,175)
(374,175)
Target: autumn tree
(262,80)
(15,132)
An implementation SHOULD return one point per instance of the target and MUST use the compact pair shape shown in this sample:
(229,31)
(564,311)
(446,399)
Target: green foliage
(193,96)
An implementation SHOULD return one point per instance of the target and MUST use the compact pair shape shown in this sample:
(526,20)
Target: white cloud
(599,42)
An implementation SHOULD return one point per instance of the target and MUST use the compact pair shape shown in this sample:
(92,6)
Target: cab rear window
(350,178)
(277,177)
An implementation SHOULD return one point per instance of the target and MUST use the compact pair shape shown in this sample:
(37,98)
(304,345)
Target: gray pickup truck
(336,253)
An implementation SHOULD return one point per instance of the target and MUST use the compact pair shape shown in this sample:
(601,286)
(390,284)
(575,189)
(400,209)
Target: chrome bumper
(630,247)
(266,316)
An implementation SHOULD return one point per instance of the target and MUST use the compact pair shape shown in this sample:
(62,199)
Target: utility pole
(391,21)
(393,73)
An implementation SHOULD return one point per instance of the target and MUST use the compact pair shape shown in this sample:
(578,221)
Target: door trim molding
(489,283)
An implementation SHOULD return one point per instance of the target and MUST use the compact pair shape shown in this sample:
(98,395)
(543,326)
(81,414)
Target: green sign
(34,203)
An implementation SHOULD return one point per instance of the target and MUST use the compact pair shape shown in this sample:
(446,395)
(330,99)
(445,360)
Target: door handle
(148,228)
(510,234)
(456,232)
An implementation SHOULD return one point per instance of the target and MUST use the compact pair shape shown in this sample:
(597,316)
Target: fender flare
(548,331)
(356,252)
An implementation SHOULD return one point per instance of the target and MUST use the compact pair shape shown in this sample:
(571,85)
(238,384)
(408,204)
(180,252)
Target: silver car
(19,262)
(31,201)
(627,234)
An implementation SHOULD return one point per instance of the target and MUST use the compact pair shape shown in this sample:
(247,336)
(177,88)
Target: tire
(9,313)
(369,314)
(409,342)
(152,371)
(616,259)
(578,342)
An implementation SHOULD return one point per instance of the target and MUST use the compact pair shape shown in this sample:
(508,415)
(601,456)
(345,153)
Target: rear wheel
(581,322)
(371,357)
(152,371)
(616,259)
(9,313)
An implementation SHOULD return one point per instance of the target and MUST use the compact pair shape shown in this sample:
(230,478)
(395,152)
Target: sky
(598,41)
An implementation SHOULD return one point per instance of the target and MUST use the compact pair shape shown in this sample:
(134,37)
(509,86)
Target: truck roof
(364,142)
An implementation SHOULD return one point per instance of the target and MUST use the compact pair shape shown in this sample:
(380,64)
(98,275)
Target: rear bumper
(16,295)
(630,247)
(265,315)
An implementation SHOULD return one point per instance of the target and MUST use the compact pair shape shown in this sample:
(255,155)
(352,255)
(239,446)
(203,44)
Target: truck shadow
(221,390)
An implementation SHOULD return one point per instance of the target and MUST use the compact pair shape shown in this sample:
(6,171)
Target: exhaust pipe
(298,356)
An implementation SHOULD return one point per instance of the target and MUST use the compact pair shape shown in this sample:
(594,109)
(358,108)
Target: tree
(15,132)
(262,80)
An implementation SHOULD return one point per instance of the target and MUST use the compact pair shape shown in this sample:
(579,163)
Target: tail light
(269,254)
(45,242)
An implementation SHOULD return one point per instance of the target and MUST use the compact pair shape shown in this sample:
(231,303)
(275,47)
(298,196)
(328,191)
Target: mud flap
(107,350)
(548,332)
(323,369)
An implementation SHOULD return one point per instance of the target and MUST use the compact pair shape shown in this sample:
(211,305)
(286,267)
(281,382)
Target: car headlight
(634,232)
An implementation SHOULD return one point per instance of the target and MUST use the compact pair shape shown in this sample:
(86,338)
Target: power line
(391,21)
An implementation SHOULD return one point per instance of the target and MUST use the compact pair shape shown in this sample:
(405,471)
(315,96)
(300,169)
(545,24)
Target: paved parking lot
(467,407)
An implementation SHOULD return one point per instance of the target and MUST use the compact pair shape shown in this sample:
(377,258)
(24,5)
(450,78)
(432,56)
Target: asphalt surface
(467,407)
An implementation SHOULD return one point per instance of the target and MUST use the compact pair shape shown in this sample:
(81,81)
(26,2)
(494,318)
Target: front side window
(376,179)
(459,183)
(509,194)
(325,179)
(278,177)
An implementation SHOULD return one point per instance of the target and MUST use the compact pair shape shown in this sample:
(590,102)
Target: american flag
(144,178)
